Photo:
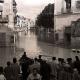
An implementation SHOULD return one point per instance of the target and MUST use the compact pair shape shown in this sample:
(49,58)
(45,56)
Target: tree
(46,17)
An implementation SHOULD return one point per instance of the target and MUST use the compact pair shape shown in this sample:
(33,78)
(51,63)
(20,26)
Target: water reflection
(33,47)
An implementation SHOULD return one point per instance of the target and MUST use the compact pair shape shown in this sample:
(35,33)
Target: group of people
(11,71)
(39,69)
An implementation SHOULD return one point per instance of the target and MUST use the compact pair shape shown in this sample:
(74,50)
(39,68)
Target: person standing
(24,57)
(34,75)
(8,71)
(76,63)
(2,77)
(54,67)
(45,70)
(15,69)
(40,58)
(24,63)
(36,65)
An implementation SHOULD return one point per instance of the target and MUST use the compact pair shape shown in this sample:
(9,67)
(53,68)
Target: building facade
(63,28)
(67,6)
(9,11)
(68,12)
(23,23)
(6,32)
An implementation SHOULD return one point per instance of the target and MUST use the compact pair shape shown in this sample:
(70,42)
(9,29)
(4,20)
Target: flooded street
(33,48)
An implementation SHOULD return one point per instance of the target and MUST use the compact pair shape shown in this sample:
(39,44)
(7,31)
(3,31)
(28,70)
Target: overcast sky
(31,8)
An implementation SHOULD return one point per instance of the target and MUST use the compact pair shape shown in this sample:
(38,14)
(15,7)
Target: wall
(60,6)
(74,9)
(65,20)
(61,21)
(8,11)
(5,36)
(75,41)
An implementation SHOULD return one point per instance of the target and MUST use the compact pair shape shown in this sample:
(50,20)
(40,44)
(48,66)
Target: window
(78,4)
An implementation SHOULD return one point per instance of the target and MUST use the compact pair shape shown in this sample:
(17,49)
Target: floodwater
(33,48)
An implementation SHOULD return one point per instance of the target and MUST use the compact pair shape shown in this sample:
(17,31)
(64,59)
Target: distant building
(31,24)
(23,23)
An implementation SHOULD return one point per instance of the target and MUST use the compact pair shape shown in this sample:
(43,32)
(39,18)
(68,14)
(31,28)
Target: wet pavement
(33,47)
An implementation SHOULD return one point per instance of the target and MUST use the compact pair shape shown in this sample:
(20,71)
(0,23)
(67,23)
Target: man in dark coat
(8,71)
(25,62)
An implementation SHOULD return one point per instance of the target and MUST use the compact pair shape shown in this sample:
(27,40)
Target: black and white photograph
(39,39)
